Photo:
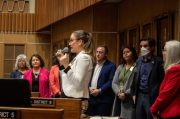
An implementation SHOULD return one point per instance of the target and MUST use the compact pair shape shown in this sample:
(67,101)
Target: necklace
(36,73)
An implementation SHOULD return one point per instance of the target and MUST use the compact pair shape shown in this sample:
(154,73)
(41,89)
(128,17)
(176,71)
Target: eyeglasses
(71,40)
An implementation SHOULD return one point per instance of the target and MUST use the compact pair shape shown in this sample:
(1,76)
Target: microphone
(65,50)
(62,52)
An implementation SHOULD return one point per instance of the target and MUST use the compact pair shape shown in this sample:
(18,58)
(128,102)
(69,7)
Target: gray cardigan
(127,86)
(127,89)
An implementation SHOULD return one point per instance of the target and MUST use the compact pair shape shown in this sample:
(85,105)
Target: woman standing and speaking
(77,73)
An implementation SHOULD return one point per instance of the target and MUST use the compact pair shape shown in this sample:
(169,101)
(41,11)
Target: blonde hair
(86,38)
(172,54)
(24,57)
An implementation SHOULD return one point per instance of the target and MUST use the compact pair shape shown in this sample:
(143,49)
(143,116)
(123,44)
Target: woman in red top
(54,78)
(167,104)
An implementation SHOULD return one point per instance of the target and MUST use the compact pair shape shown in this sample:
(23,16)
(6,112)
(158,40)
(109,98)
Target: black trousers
(143,107)
(99,109)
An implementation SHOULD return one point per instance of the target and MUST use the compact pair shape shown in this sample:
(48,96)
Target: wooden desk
(34,94)
(72,107)
(30,113)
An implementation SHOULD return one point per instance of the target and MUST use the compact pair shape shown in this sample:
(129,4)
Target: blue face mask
(144,51)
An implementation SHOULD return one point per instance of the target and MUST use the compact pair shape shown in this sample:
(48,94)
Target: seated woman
(38,76)
(21,66)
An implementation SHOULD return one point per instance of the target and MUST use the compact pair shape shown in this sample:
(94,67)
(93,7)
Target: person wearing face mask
(149,76)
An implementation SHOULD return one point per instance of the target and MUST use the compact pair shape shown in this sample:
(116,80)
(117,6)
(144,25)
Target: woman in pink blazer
(38,76)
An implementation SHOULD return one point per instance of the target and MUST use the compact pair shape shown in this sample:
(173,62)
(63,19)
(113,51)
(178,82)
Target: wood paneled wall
(108,20)
(142,12)
(1,59)
(139,19)
(41,44)
(33,42)
(15,6)
(17,22)
(50,11)
(177,27)
(105,17)
(100,20)
(62,29)
(110,40)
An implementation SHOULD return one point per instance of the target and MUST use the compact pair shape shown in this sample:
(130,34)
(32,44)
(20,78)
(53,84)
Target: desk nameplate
(9,114)
(35,102)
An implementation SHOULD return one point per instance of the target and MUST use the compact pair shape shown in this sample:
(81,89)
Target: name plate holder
(40,102)
(9,114)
